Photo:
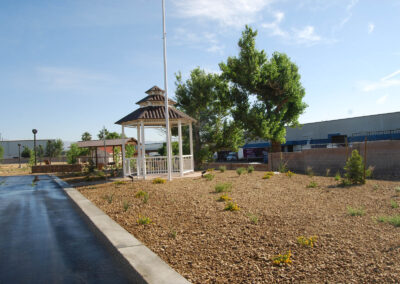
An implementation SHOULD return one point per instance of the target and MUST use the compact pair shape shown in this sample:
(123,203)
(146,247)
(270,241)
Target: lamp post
(34,131)
(19,155)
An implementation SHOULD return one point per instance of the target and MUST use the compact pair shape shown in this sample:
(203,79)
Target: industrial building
(11,146)
(331,134)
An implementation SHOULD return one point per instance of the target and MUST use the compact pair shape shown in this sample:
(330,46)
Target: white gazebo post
(180,147)
(143,150)
(191,145)
(123,152)
(139,152)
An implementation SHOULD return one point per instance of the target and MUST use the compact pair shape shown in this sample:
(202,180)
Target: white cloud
(61,78)
(228,13)
(274,27)
(349,14)
(385,82)
(205,40)
(382,100)
(307,35)
(371,27)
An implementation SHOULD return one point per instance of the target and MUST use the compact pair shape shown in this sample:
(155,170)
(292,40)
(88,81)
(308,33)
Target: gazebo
(151,114)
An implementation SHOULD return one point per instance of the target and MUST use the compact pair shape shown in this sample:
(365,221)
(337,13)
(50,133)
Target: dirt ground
(193,233)
(13,169)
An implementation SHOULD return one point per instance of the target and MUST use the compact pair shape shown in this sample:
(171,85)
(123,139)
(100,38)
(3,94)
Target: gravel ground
(192,232)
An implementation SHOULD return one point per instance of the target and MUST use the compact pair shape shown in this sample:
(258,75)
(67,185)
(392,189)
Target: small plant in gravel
(223,187)
(224,198)
(393,220)
(282,259)
(173,234)
(394,204)
(253,218)
(146,198)
(210,170)
(309,171)
(375,187)
(337,176)
(355,211)
(109,198)
(240,171)
(231,206)
(307,242)
(126,205)
(222,169)
(119,182)
(289,174)
(140,193)
(209,177)
(159,181)
(312,184)
(143,220)
(282,168)
(268,175)
(250,169)
(397,189)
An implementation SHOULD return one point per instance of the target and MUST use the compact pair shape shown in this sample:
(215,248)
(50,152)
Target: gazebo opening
(151,114)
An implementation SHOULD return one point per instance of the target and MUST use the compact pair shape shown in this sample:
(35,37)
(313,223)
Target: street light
(19,155)
(34,131)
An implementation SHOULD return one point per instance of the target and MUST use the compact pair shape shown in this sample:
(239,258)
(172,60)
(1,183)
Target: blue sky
(74,66)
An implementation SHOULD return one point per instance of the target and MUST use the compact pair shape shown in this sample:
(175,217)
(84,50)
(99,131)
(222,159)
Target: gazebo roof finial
(155,90)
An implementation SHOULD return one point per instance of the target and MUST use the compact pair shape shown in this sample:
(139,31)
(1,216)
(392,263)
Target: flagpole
(166,95)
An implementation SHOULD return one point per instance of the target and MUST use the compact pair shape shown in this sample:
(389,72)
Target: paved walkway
(43,238)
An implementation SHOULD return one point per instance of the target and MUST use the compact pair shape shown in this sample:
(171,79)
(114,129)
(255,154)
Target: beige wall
(383,155)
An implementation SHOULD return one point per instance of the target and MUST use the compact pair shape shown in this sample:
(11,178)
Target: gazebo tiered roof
(152,110)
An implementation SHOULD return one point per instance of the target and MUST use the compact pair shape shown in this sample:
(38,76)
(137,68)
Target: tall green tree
(103,133)
(163,150)
(267,93)
(129,150)
(73,153)
(205,97)
(26,152)
(86,136)
(113,135)
(53,149)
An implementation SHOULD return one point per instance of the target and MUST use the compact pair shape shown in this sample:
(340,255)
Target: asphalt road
(43,238)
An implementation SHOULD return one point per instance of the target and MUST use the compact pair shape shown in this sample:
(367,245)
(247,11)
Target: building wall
(347,126)
(11,147)
(384,156)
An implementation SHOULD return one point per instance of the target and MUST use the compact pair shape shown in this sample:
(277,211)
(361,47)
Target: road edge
(144,261)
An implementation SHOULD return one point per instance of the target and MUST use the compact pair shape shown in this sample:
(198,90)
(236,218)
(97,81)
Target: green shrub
(355,211)
(312,184)
(210,170)
(355,168)
(159,181)
(268,175)
(231,206)
(253,218)
(282,168)
(140,193)
(240,171)
(250,169)
(224,198)
(393,220)
(345,182)
(119,182)
(109,198)
(126,206)
(394,204)
(223,187)
(337,176)
(173,234)
(209,177)
(143,220)
(289,174)
(222,169)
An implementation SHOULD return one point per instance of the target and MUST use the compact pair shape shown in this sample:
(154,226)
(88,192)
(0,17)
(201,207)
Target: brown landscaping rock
(212,245)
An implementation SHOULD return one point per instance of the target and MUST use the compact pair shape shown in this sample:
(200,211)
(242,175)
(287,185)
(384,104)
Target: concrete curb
(145,262)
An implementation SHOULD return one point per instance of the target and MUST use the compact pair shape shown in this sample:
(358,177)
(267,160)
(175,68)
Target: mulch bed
(193,233)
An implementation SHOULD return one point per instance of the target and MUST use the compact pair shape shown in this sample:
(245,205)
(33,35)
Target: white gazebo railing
(158,165)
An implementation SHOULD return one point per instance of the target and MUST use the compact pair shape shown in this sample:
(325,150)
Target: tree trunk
(275,147)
